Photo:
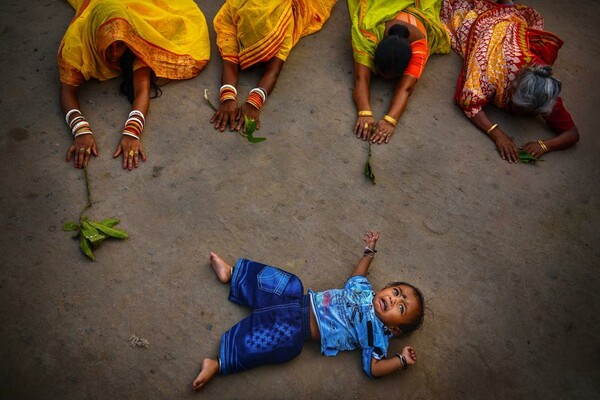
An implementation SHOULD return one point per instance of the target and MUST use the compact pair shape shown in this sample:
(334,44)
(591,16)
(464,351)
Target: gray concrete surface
(507,255)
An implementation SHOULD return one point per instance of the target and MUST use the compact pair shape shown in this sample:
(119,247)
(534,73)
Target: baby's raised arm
(362,267)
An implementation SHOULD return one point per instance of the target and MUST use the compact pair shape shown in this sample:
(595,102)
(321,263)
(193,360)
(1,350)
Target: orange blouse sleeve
(420,54)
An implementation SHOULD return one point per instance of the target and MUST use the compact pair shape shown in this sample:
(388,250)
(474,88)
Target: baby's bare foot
(221,268)
(208,370)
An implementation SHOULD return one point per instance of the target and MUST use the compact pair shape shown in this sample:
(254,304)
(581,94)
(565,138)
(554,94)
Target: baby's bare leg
(209,368)
(221,268)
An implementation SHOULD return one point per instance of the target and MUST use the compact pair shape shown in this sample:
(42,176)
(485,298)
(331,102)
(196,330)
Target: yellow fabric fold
(368,19)
(254,31)
(171,37)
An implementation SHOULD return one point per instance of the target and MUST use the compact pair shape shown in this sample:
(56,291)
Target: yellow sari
(169,36)
(254,31)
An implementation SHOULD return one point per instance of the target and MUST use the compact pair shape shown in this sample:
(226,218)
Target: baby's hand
(371,238)
(410,355)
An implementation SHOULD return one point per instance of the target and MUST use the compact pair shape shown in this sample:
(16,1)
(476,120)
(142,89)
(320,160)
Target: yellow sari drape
(368,19)
(170,36)
(254,31)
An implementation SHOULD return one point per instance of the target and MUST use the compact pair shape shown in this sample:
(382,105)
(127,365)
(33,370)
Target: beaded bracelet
(402,360)
(369,252)
(390,119)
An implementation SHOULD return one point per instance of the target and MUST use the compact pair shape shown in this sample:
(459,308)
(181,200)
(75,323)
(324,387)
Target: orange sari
(254,31)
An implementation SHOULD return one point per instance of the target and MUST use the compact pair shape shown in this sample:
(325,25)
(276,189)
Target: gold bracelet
(365,113)
(491,128)
(390,119)
(543,146)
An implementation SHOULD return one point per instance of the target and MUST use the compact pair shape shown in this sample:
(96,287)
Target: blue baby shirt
(347,321)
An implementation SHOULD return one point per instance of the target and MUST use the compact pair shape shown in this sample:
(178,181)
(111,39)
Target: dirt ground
(508,256)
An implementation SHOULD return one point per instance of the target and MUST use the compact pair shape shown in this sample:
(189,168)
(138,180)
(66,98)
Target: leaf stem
(89,194)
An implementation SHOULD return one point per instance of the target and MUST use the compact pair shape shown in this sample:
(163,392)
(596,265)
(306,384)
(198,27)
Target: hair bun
(544,72)
(398,30)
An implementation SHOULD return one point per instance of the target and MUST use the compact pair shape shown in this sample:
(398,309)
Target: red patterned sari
(496,41)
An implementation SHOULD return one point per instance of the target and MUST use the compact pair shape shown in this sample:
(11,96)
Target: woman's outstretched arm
(129,146)
(228,109)
(361,94)
(385,128)
(266,82)
(84,144)
(504,143)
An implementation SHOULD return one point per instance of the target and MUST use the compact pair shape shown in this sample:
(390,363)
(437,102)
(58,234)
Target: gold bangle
(491,128)
(390,119)
(365,113)
(543,146)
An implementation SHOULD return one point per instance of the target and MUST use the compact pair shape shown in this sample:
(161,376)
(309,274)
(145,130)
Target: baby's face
(396,305)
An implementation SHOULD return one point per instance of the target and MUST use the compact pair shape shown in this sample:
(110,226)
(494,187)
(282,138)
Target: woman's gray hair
(535,89)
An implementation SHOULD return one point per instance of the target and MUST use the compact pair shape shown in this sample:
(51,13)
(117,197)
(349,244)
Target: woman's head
(393,52)
(535,90)
(126,88)
(400,306)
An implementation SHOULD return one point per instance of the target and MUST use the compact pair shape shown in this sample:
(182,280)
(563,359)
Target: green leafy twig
(526,158)
(368,170)
(247,131)
(91,233)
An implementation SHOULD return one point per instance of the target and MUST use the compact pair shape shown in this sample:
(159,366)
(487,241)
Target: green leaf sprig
(368,170)
(91,234)
(247,131)
(526,158)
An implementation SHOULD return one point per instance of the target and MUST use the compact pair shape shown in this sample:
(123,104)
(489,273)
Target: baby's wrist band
(369,252)
(390,119)
(402,361)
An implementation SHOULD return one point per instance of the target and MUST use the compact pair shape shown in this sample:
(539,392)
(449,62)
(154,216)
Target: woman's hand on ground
(81,149)
(507,148)
(383,132)
(409,354)
(364,127)
(226,114)
(132,150)
(534,149)
(249,111)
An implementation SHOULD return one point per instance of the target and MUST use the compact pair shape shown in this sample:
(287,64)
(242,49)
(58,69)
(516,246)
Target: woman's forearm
(362,81)
(404,89)
(271,74)
(68,97)
(141,89)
